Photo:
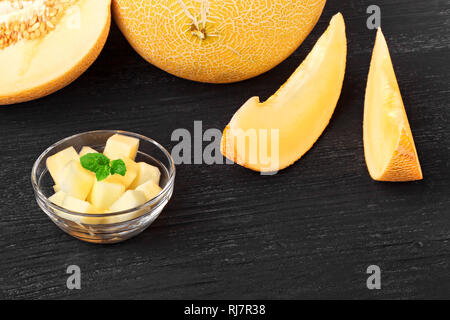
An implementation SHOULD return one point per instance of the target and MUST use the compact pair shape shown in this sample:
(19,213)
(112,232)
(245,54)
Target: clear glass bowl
(104,228)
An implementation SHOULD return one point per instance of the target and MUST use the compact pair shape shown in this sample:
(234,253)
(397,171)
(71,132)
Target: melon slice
(389,146)
(46,44)
(272,135)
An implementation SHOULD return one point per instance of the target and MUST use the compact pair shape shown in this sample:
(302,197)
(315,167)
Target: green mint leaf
(102,172)
(102,166)
(97,163)
(103,160)
(118,167)
(91,161)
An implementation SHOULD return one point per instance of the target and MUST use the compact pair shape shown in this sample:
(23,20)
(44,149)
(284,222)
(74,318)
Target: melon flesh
(269,136)
(146,173)
(130,175)
(77,189)
(76,181)
(389,146)
(129,200)
(79,206)
(32,68)
(58,198)
(119,146)
(57,162)
(104,194)
(150,189)
(86,150)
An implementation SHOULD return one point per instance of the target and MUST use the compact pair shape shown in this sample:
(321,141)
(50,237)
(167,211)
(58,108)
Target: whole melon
(216,41)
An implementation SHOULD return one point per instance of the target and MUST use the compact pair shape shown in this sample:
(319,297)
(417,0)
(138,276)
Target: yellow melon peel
(216,41)
(52,51)
(389,146)
(299,111)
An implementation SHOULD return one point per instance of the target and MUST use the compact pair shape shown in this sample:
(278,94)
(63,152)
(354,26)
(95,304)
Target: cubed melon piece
(75,180)
(80,206)
(73,204)
(104,194)
(150,189)
(130,175)
(56,188)
(86,150)
(58,198)
(119,146)
(129,200)
(145,173)
(57,162)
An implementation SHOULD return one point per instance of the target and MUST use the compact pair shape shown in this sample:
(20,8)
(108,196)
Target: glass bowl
(111,227)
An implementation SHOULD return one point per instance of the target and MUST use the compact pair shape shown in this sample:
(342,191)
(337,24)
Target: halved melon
(389,146)
(271,135)
(46,44)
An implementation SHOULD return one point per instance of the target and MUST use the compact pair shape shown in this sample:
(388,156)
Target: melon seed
(29,19)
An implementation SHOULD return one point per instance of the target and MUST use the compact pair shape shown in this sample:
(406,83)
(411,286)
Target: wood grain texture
(308,232)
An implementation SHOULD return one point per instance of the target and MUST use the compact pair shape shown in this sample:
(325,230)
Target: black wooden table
(310,231)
